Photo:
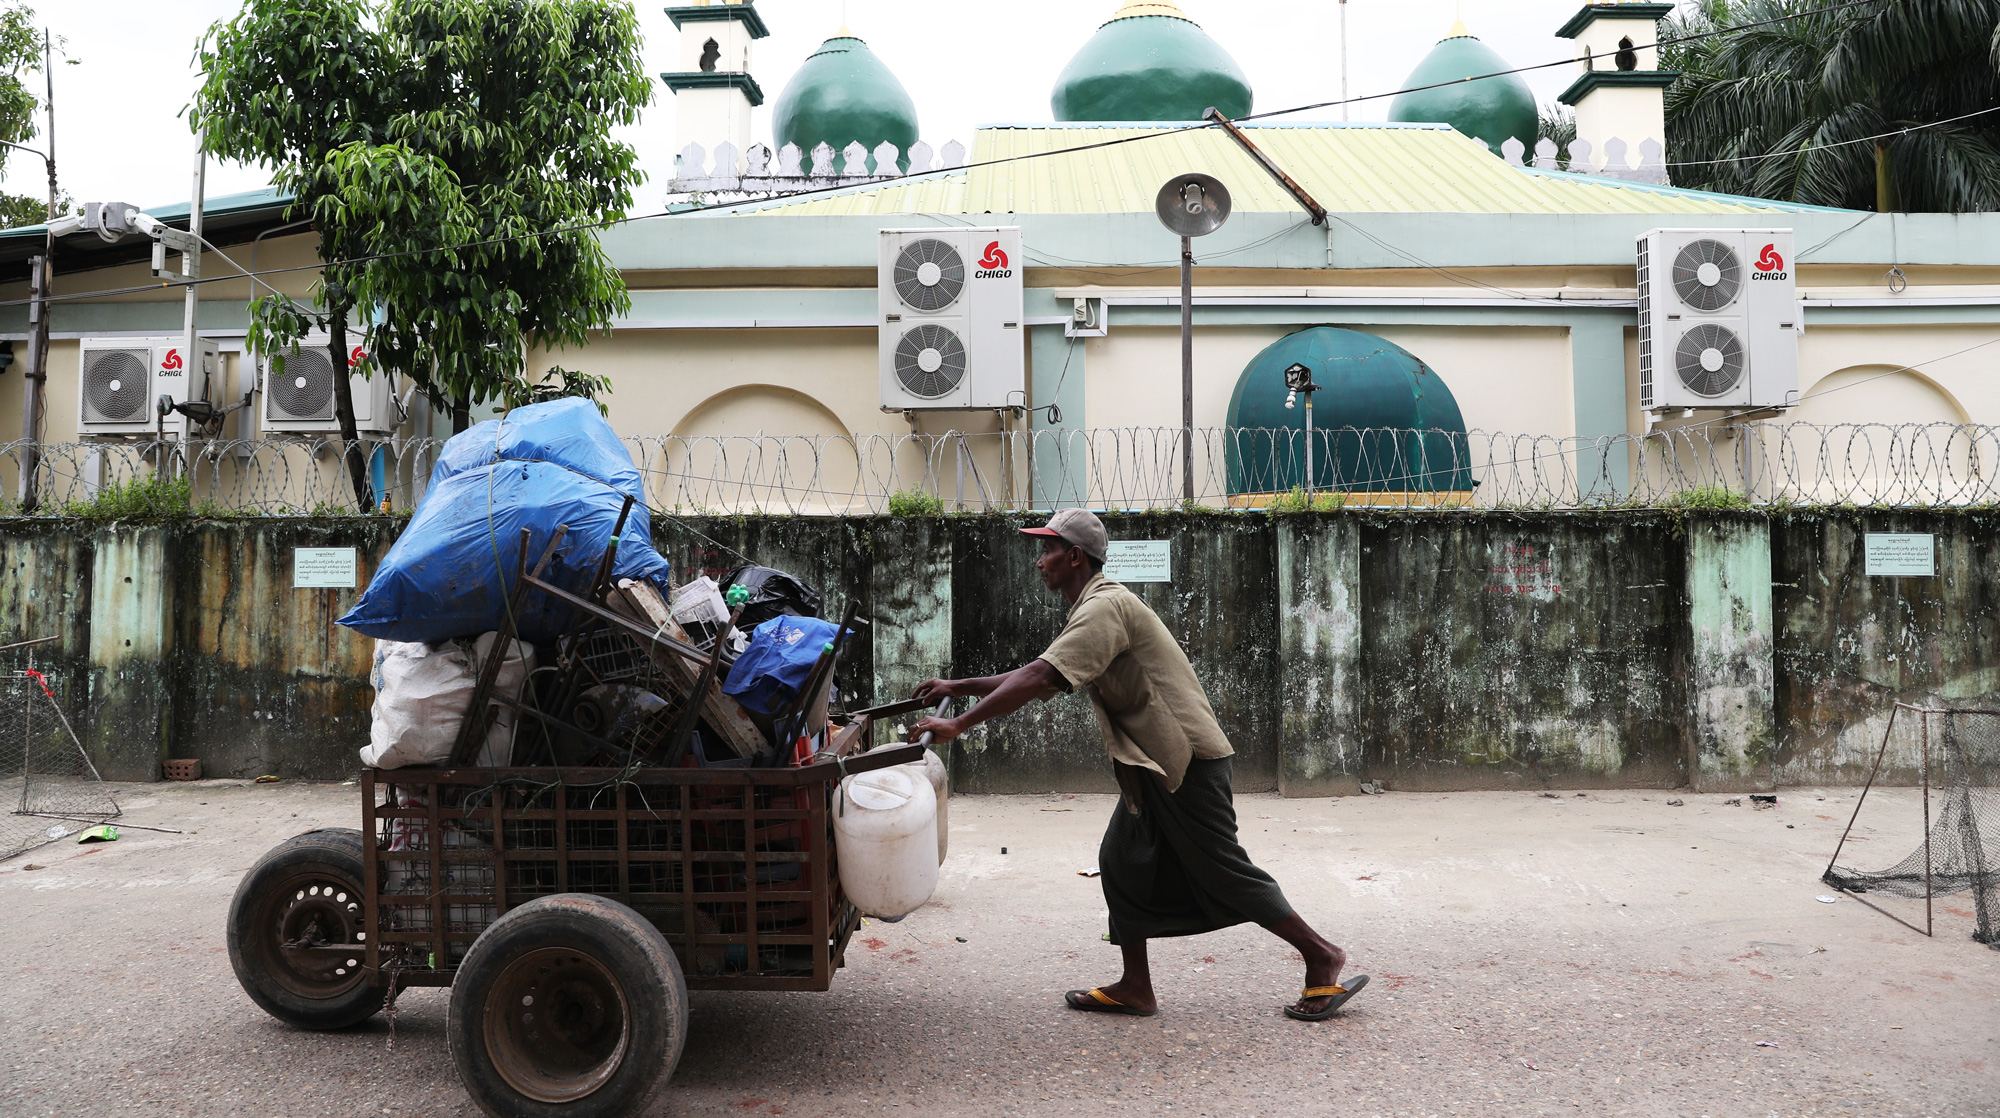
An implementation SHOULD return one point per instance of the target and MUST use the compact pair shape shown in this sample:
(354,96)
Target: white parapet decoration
(755,171)
(1614,164)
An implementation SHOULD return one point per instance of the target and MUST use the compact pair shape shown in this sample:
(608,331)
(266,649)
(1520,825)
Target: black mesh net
(49,790)
(1962,851)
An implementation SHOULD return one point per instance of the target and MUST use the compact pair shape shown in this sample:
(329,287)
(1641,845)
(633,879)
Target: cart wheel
(569,1005)
(307,889)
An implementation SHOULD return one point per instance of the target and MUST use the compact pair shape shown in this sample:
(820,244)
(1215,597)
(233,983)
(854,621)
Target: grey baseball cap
(1077,527)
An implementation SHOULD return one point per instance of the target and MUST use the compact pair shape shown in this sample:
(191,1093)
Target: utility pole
(41,271)
(1343,62)
(1187,369)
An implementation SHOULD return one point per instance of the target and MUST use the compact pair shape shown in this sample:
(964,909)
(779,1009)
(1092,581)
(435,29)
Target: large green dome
(1150,62)
(1490,109)
(843,94)
(1383,421)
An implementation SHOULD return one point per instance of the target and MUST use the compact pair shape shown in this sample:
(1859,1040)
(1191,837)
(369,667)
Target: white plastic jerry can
(885,829)
(940,780)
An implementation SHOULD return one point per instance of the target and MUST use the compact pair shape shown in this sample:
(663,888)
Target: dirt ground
(1603,954)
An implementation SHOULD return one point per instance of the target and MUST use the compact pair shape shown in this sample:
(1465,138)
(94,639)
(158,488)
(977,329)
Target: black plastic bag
(773,593)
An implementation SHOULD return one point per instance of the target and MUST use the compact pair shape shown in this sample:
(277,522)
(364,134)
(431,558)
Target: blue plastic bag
(775,665)
(451,573)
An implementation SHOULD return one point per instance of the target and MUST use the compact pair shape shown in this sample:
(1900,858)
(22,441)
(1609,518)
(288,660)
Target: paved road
(1599,955)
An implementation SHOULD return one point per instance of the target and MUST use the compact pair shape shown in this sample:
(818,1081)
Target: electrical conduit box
(1719,319)
(121,380)
(950,328)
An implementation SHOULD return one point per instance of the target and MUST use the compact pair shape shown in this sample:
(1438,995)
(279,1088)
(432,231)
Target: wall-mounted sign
(1138,561)
(1905,554)
(321,567)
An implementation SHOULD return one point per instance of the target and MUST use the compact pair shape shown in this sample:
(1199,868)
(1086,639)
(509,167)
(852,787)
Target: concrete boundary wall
(1437,650)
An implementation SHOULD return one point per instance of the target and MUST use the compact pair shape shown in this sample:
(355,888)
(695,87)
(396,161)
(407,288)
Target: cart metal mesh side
(734,866)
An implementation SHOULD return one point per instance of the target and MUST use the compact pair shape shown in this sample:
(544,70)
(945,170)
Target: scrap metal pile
(524,619)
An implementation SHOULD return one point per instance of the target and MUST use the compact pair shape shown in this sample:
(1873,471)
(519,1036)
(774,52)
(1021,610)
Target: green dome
(843,94)
(1152,66)
(1383,421)
(1490,109)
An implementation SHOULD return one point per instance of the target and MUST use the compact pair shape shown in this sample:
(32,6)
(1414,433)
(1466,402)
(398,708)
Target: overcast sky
(121,136)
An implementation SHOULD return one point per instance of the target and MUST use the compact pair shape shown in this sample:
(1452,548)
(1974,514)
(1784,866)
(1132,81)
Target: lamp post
(1299,378)
(1192,205)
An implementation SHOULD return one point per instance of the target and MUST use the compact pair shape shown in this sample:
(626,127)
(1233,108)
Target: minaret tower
(713,89)
(1622,94)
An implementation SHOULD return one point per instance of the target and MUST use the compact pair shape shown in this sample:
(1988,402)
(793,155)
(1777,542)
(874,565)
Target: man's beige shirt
(1149,704)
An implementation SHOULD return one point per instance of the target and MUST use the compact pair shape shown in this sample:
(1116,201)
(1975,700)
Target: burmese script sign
(1904,554)
(1138,561)
(321,567)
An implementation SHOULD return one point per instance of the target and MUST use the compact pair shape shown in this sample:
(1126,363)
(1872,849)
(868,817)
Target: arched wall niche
(761,446)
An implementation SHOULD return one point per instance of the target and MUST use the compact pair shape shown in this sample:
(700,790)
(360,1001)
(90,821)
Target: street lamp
(1192,205)
(1299,378)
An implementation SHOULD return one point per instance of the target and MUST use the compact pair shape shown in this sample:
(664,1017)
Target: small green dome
(1383,421)
(843,94)
(1490,109)
(1150,63)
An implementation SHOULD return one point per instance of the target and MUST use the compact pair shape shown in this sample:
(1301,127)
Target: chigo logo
(1770,265)
(171,363)
(993,265)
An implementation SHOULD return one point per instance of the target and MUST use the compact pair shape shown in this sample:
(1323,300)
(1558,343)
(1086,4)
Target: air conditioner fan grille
(1707,275)
(1709,360)
(929,275)
(304,390)
(115,386)
(930,361)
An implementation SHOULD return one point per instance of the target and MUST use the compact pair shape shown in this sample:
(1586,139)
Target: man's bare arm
(931,690)
(1013,691)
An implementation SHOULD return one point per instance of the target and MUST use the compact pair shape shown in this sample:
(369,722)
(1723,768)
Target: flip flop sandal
(1339,994)
(1095,1000)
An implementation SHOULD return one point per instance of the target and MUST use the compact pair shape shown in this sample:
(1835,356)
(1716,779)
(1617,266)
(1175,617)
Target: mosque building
(1462,282)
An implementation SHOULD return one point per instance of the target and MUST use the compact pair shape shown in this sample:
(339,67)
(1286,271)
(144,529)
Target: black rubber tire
(613,1011)
(314,878)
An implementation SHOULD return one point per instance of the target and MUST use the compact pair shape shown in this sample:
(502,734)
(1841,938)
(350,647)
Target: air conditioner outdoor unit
(121,380)
(299,400)
(1718,319)
(950,334)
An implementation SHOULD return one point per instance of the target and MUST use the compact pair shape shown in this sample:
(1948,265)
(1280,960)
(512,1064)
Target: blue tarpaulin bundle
(780,657)
(452,571)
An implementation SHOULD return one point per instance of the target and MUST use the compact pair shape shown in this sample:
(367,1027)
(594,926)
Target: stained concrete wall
(1429,650)
(1848,645)
(1501,651)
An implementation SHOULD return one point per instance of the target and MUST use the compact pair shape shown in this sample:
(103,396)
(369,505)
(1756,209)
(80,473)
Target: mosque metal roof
(1370,167)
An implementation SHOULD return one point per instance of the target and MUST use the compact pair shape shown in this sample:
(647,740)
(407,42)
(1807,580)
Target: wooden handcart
(569,909)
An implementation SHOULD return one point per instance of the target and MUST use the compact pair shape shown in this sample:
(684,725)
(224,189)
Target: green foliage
(1817,84)
(556,384)
(470,140)
(1558,123)
(1298,501)
(1708,497)
(17,210)
(151,497)
(911,503)
(20,55)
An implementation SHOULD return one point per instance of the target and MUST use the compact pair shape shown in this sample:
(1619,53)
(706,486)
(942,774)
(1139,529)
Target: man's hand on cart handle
(931,690)
(999,694)
(925,732)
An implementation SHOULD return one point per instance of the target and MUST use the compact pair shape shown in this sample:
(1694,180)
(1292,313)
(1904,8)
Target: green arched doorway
(1384,422)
